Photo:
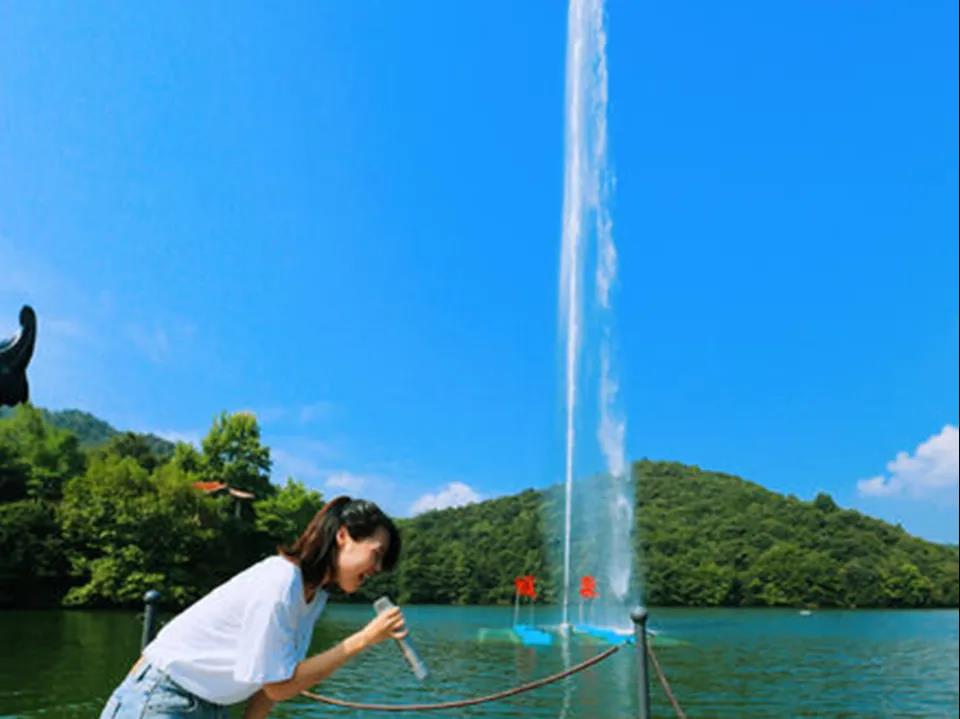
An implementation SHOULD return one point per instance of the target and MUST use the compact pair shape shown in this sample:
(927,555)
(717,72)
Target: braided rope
(664,683)
(467,702)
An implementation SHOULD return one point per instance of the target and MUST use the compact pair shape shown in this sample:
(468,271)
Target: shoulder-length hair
(316,549)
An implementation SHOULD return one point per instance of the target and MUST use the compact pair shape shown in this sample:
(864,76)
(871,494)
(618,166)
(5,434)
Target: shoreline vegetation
(92,517)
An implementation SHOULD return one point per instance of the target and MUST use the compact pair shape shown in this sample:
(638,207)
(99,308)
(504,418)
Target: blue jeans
(148,693)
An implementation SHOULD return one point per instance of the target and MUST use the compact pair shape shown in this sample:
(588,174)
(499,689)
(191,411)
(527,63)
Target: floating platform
(523,634)
(603,634)
(530,636)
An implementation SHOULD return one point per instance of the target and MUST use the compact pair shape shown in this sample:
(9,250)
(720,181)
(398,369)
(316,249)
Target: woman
(247,639)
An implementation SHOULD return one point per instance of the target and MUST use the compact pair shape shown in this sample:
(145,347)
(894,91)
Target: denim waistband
(150,672)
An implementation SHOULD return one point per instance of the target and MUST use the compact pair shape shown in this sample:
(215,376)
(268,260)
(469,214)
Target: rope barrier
(664,683)
(467,702)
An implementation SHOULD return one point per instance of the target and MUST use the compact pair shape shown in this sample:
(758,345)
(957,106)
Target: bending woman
(247,639)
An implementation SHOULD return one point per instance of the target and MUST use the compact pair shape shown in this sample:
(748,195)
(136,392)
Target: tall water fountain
(598,493)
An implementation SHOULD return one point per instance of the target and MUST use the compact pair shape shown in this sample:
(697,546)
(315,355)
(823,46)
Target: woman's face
(359,559)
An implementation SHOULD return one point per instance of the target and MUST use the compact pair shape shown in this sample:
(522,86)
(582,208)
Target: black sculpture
(15,355)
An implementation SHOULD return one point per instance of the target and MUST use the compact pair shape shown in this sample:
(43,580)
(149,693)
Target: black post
(150,600)
(639,617)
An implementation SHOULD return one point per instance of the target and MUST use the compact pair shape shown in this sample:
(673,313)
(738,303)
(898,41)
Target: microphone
(409,653)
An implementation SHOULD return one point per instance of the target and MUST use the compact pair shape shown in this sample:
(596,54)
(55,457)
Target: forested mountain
(89,430)
(702,539)
(97,523)
(711,538)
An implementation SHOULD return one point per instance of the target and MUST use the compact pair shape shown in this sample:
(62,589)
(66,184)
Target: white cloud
(454,494)
(347,482)
(876,487)
(371,486)
(931,471)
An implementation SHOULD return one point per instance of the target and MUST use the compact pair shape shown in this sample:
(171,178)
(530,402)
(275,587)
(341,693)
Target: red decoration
(526,586)
(588,587)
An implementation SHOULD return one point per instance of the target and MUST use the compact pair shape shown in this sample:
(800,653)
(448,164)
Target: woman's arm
(258,706)
(315,669)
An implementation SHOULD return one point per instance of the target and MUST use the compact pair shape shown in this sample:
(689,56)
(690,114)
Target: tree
(138,447)
(128,531)
(283,516)
(861,584)
(14,471)
(905,586)
(30,542)
(233,454)
(51,456)
(187,459)
(824,502)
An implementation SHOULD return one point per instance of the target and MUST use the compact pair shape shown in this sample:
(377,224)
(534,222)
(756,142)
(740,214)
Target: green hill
(92,431)
(702,539)
(710,538)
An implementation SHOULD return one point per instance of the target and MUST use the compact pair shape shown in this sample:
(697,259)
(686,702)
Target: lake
(742,663)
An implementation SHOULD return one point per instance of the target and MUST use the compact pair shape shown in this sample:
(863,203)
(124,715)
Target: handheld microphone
(409,653)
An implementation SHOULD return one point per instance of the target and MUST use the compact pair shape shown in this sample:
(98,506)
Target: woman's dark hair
(316,549)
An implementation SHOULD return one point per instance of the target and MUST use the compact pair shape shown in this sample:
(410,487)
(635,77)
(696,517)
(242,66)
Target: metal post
(150,600)
(639,617)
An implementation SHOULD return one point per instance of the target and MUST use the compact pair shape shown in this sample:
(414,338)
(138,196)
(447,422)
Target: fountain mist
(601,529)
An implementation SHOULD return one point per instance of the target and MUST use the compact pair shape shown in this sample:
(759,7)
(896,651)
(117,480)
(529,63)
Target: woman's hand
(386,625)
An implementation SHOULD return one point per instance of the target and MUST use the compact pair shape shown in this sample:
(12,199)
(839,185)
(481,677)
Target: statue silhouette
(15,355)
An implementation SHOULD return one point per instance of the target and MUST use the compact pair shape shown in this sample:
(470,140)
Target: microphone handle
(413,659)
(406,648)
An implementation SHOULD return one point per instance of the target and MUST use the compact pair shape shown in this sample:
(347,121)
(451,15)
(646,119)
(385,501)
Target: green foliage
(128,530)
(468,555)
(14,469)
(232,453)
(30,543)
(90,431)
(707,539)
(124,516)
(703,539)
(283,516)
(35,457)
(187,458)
(139,447)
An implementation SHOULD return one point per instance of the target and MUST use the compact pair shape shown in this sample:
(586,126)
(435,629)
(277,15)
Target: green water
(727,663)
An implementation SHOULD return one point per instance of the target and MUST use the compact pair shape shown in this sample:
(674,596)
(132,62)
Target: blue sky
(346,217)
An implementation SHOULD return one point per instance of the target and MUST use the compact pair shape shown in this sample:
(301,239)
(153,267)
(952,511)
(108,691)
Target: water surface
(728,663)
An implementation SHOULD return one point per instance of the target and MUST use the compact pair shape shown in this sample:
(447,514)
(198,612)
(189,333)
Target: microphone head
(383,604)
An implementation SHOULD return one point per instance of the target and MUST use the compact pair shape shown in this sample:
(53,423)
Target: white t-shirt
(249,631)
